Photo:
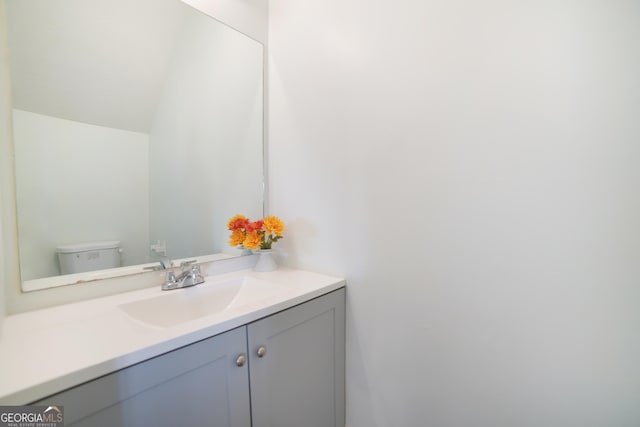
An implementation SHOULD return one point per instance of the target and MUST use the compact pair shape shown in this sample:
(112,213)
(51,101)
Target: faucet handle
(195,271)
(196,275)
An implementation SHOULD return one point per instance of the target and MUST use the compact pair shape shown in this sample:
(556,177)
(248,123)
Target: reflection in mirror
(137,133)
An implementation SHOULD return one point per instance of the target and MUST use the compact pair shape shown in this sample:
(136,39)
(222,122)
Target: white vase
(266,261)
(244,252)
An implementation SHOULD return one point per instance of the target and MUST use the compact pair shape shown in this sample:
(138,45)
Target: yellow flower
(252,240)
(236,238)
(273,224)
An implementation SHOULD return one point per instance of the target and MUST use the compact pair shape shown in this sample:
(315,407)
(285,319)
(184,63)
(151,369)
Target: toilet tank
(91,256)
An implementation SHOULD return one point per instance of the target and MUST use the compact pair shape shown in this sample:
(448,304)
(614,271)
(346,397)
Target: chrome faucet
(188,277)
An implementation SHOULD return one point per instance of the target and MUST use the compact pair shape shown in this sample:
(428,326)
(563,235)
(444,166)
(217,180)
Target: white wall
(212,105)
(472,169)
(56,161)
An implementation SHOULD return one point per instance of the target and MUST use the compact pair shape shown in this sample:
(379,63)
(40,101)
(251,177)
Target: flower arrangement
(253,235)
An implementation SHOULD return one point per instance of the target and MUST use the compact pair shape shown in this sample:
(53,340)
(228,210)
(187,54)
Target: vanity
(242,349)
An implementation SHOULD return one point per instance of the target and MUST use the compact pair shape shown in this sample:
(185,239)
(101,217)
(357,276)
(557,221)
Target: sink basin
(183,305)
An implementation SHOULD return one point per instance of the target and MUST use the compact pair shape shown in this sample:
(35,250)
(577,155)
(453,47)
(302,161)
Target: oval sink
(183,305)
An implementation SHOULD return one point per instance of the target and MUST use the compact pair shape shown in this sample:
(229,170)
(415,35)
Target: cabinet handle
(262,350)
(241,360)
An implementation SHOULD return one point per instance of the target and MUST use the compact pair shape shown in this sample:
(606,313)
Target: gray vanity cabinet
(198,385)
(290,366)
(297,365)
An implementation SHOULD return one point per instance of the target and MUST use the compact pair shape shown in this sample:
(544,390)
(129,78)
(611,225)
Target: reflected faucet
(164,264)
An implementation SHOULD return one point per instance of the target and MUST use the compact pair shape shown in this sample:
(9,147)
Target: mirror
(135,121)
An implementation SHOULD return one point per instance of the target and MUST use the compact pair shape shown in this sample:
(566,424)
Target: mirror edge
(10,266)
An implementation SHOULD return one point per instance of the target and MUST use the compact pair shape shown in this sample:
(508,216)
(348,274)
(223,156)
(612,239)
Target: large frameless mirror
(138,131)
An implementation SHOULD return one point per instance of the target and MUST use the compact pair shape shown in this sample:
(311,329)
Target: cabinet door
(296,365)
(198,385)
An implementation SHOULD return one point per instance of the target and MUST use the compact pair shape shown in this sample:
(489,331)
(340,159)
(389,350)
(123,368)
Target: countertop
(46,351)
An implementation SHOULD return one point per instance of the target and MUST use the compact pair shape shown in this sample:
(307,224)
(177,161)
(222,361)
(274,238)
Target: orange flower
(255,226)
(273,224)
(252,240)
(237,222)
(236,238)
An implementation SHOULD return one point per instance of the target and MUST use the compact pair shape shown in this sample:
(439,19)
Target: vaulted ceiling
(93,61)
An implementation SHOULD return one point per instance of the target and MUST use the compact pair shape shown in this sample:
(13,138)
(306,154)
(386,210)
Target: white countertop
(46,351)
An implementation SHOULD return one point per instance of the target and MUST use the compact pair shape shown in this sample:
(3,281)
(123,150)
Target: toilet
(81,257)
